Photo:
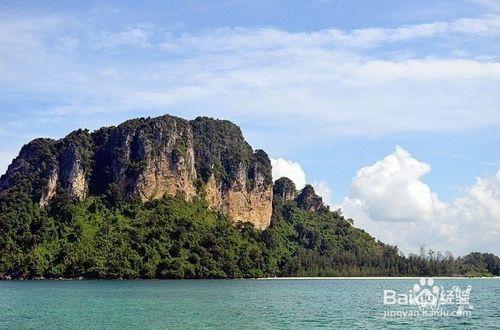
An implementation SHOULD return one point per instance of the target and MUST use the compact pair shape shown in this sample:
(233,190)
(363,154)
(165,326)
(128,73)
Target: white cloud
(373,72)
(289,169)
(228,39)
(389,200)
(481,204)
(391,189)
(325,80)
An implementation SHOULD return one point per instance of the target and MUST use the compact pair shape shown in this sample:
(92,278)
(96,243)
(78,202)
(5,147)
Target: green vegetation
(168,238)
(171,238)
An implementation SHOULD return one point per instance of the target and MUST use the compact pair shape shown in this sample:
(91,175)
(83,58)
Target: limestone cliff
(147,159)
(284,191)
(309,201)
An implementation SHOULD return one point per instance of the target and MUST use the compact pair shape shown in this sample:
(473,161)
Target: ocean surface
(233,304)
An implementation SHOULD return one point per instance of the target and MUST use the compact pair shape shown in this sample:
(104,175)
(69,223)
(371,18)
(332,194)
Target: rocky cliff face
(284,191)
(309,201)
(147,159)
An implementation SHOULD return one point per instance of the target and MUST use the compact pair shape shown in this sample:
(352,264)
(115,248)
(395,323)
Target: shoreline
(340,278)
(380,278)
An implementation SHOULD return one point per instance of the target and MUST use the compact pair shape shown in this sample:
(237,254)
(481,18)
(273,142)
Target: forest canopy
(172,238)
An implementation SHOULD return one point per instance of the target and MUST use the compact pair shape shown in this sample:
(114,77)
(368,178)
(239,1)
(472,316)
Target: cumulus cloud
(481,204)
(289,169)
(391,189)
(389,200)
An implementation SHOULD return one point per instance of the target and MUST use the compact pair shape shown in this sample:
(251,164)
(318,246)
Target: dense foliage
(171,238)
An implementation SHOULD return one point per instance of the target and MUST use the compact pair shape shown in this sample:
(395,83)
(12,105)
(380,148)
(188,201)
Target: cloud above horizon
(390,201)
(392,190)
(288,169)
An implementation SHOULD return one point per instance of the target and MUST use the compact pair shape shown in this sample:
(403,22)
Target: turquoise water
(230,304)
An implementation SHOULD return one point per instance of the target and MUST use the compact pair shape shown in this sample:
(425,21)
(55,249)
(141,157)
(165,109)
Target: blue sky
(333,86)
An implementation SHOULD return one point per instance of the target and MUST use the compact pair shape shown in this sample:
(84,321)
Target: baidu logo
(426,298)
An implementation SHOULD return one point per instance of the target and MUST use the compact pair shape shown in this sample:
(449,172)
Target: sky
(390,109)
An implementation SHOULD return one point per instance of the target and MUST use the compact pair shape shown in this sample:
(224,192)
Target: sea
(335,303)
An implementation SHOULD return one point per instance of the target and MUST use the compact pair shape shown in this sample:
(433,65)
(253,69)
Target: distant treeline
(171,238)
